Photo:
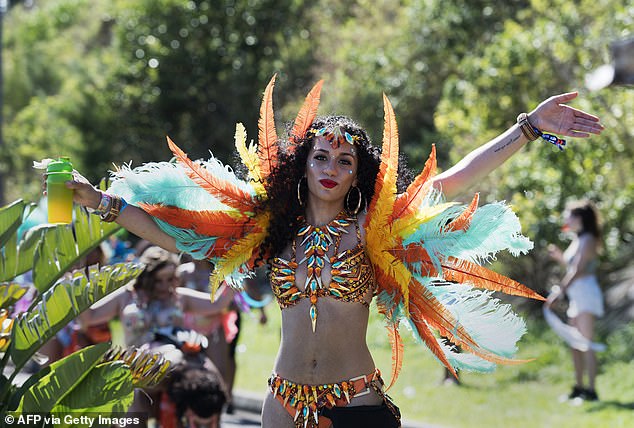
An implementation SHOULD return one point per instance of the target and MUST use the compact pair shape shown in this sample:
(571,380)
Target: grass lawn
(522,396)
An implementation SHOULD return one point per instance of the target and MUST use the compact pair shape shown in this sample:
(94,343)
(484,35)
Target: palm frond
(61,303)
(15,257)
(107,389)
(61,377)
(60,248)
(10,293)
(147,368)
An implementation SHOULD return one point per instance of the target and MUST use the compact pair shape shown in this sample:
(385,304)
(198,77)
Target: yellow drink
(60,203)
(60,198)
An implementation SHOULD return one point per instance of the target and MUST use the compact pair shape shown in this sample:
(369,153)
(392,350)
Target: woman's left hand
(553,115)
(555,293)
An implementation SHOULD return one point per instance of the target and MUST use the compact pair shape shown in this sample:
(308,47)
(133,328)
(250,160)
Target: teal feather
(492,325)
(188,241)
(168,184)
(494,227)
(162,183)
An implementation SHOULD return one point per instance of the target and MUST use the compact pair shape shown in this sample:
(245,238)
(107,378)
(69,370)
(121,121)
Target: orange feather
(227,192)
(424,306)
(430,340)
(408,201)
(385,185)
(465,271)
(463,221)
(397,352)
(307,113)
(222,224)
(267,137)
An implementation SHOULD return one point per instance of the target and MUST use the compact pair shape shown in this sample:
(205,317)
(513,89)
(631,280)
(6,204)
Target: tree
(138,70)
(508,76)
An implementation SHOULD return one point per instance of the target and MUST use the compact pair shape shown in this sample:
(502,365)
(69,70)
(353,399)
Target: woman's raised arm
(132,218)
(552,115)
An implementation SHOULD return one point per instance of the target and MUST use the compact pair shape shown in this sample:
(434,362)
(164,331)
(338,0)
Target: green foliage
(104,82)
(138,70)
(508,76)
(93,379)
(522,396)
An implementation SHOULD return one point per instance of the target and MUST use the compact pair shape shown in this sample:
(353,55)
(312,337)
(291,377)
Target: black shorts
(361,416)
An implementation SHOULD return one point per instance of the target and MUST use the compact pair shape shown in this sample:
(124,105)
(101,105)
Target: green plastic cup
(60,198)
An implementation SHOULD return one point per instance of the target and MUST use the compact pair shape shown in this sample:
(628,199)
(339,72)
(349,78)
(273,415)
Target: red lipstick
(329,184)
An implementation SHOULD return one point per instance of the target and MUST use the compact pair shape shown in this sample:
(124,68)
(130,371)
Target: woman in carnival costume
(334,218)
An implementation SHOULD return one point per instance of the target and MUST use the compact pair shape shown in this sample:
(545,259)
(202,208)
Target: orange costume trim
(303,402)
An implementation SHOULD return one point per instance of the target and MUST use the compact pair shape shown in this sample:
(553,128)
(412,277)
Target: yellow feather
(379,236)
(249,158)
(239,253)
(407,224)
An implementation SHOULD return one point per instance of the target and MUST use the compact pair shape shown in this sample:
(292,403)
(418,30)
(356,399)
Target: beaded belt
(303,402)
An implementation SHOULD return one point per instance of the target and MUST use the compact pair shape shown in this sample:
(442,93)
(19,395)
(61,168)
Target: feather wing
(378,233)
(249,158)
(408,202)
(307,113)
(226,191)
(267,137)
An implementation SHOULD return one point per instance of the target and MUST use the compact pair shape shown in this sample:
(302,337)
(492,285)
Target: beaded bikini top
(351,272)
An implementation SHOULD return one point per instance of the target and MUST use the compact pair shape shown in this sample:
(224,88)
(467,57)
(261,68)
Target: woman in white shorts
(582,288)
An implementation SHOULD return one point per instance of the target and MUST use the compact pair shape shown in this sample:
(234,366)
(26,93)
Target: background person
(580,285)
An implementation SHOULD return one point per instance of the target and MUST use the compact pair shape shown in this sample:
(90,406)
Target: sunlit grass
(523,396)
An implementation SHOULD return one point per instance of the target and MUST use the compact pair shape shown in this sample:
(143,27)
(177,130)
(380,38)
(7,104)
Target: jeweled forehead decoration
(337,137)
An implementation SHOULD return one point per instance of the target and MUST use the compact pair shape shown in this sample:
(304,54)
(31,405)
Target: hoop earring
(358,203)
(299,192)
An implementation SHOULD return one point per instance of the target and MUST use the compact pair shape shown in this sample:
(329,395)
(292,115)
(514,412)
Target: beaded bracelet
(105,202)
(116,208)
(552,139)
(532,133)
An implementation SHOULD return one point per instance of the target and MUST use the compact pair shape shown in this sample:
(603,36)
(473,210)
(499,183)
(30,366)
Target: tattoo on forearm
(505,145)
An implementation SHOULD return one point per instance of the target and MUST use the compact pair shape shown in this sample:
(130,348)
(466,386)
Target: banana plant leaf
(60,248)
(9,294)
(10,219)
(15,259)
(63,377)
(63,302)
(107,390)
(147,368)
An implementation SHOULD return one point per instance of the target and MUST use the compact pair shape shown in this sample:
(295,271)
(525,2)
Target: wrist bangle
(114,210)
(527,129)
(102,208)
(552,139)
(532,133)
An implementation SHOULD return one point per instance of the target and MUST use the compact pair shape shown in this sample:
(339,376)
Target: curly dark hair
(281,184)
